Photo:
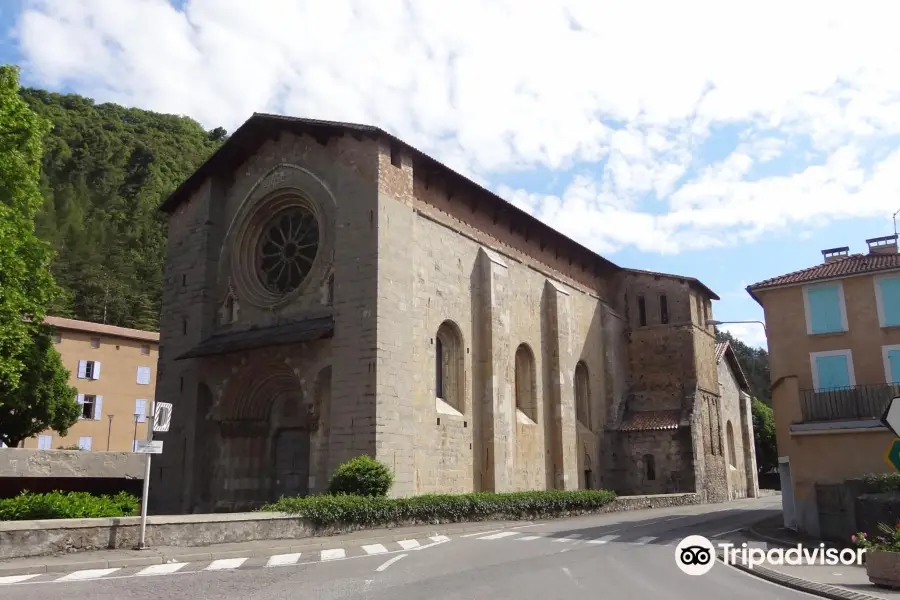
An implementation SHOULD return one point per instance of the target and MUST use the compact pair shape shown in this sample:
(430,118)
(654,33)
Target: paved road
(625,555)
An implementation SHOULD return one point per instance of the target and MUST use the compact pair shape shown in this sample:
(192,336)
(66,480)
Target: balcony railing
(851,403)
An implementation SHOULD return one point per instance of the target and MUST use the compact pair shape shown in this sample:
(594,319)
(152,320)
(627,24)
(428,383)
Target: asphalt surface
(622,555)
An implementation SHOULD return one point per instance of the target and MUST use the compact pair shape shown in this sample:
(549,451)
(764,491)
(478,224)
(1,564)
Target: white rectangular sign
(149,447)
(162,416)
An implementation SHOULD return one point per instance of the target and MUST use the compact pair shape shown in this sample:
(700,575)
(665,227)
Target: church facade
(332,291)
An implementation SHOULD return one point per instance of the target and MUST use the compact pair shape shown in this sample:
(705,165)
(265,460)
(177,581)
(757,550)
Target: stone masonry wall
(672,458)
(734,440)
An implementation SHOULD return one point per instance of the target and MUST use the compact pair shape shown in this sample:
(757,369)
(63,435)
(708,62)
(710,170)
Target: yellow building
(114,371)
(834,355)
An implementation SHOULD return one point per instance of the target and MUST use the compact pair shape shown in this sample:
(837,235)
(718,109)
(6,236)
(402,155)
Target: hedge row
(345,509)
(880,483)
(71,505)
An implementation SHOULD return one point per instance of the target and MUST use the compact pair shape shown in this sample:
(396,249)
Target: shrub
(881,483)
(362,476)
(67,505)
(446,508)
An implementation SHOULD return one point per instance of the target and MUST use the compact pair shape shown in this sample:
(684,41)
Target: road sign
(149,447)
(162,416)
(891,416)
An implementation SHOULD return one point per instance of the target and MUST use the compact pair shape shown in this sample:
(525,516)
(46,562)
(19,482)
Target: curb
(154,557)
(801,585)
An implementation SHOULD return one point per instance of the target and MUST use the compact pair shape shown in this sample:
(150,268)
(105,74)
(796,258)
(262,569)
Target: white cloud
(494,85)
(751,334)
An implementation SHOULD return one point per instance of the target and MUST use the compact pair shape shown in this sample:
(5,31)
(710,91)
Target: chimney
(833,254)
(883,245)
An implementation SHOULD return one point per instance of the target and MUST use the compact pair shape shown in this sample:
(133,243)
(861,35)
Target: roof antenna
(895,221)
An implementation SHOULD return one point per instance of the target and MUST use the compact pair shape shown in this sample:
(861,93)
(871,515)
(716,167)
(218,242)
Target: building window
(825,309)
(832,370)
(448,366)
(526,384)
(642,311)
(145,349)
(649,467)
(663,309)
(140,410)
(887,298)
(88,369)
(85,443)
(90,406)
(287,249)
(143,375)
(891,364)
(45,442)
(95,342)
(729,435)
(582,395)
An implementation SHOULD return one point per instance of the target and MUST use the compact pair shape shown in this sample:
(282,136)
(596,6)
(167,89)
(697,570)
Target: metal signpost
(891,420)
(160,421)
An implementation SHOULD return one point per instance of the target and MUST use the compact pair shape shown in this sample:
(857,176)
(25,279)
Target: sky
(726,141)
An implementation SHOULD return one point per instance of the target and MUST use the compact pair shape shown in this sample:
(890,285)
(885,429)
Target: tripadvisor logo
(696,555)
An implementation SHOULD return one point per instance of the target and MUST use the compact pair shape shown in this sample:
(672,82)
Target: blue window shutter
(834,372)
(890,301)
(894,365)
(825,309)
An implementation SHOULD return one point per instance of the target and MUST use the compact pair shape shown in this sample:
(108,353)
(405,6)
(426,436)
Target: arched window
(526,384)
(729,432)
(649,467)
(448,366)
(582,395)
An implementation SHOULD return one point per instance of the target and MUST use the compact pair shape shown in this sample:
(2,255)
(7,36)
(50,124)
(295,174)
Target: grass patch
(326,510)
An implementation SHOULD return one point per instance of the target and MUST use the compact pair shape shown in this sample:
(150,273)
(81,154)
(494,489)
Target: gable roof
(692,281)
(724,350)
(100,329)
(847,266)
(261,127)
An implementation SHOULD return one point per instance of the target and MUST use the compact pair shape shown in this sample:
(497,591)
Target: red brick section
(652,420)
(855,264)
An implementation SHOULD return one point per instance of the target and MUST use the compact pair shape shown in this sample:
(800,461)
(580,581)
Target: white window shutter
(140,408)
(98,407)
(138,380)
(80,398)
(96,372)
(82,369)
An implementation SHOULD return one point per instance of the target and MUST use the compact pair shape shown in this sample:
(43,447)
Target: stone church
(332,291)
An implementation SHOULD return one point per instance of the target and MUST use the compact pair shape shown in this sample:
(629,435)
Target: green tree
(764,436)
(754,363)
(26,285)
(42,399)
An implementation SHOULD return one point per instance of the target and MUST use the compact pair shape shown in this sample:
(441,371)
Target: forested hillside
(105,170)
(755,364)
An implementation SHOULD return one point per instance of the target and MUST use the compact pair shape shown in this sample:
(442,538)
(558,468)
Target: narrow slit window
(642,311)
(663,309)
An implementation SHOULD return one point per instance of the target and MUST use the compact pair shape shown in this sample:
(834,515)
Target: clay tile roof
(855,264)
(721,347)
(651,420)
(110,330)
(690,280)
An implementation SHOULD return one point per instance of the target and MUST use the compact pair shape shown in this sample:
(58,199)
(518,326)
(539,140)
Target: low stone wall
(26,462)
(20,539)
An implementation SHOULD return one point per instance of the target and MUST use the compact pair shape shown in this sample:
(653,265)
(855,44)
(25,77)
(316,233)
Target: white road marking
(568,538)
(224,564)
(497,536)
(603,540)
(439,538)
(281,560)
(524,526)
(726,533)
(163,569)
(333,554)
(87,574)
(409,544)
(15,578)
(480,533)
(528,538)
(375,549)
(644,540)
(391,561)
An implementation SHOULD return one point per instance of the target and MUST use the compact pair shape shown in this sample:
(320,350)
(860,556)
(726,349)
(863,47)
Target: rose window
(287,249)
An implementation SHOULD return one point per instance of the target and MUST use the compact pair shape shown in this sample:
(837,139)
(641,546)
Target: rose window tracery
(287,249)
